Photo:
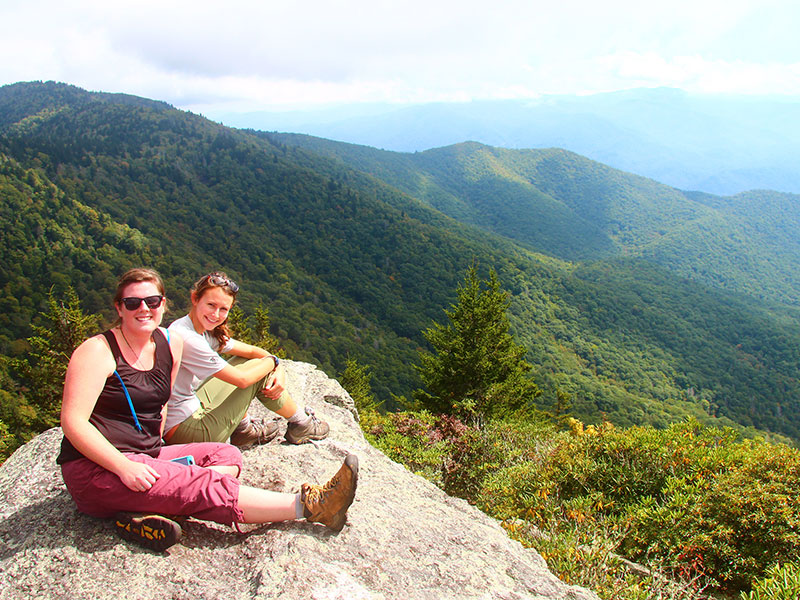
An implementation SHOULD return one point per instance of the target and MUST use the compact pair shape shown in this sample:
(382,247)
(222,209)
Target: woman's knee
(212,454)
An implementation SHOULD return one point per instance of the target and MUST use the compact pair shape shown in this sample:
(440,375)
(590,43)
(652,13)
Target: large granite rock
(404,539)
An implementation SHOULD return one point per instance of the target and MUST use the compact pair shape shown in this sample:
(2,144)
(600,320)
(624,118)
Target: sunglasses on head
(132,302)
(220,281)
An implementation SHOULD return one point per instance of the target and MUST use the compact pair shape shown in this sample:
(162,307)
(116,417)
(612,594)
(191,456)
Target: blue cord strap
(130,402)
(128,396)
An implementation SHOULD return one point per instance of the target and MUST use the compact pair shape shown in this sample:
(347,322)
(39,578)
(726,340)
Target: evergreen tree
(477,370)
(562,407)
(6,441)
(239,324)
(261,335)
(43,369)
(355,380)
(17,416)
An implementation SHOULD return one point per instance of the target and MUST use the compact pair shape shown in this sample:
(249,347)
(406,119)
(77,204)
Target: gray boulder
(404,539)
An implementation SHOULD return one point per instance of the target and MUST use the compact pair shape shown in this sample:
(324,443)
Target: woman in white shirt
(210,397)
(112,458)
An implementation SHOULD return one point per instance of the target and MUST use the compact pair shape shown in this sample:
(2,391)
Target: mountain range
(720,144)
(644,303)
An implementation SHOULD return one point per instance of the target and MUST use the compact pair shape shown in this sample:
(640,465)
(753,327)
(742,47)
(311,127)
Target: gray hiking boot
(312,429)
(251,433)
(328,504)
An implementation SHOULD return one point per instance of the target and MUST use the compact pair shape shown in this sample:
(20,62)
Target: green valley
(643,303)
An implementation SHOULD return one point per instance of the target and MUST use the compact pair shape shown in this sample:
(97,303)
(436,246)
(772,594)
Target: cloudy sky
(246,55)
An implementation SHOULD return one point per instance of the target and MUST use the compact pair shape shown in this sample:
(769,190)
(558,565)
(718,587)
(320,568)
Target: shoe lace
(314,419)
(319,493)
(262,430)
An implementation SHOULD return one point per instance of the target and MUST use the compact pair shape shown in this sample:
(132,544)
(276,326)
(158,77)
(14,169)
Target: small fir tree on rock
(239,324)
(356,380)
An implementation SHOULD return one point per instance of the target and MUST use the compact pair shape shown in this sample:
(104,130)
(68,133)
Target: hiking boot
(328,504)
(251,433)
(155,532)
(312,429)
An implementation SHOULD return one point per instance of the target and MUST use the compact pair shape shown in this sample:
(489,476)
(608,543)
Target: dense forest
(565,205)
(722,145)
(641,303)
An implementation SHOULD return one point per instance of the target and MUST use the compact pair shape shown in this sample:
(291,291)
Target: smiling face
(211,309)
(142,319)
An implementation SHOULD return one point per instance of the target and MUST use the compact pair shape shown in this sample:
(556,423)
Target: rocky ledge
(404,539)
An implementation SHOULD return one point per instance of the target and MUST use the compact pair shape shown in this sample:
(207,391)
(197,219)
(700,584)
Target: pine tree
(239,326)
(262,337)
(355,380)
(477,370)
(17,417)
(43,369)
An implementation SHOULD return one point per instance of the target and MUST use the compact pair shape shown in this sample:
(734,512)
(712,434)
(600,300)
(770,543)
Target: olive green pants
(222,408)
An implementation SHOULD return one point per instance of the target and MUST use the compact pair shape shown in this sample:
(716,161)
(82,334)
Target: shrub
(479,453)
(703,505)
(410,438)
(696,499)
(456,456)
(730,525)
(782,582)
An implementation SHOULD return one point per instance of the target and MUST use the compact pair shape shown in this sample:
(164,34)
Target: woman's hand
(276,383)
(137,476)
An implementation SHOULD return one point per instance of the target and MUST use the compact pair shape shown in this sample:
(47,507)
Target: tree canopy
(476,370)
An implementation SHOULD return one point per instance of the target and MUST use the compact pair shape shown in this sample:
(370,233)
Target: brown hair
(217,279)
(135,276)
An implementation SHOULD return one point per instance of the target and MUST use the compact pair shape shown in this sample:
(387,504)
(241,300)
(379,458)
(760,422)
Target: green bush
(476,454)
(730,525)
(603,470)
(706,507)
(698,500)
(410,439)
(456,456)
(782,582)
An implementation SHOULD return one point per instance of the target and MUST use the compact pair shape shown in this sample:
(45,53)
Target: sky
(250,55)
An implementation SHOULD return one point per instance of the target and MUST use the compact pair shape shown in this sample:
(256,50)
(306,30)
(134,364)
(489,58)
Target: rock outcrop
(405,538)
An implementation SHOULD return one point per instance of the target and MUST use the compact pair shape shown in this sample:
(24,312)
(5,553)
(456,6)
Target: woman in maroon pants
(112,456)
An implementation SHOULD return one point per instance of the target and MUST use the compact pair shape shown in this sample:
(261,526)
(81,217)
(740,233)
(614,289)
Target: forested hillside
(722,144)
(568,206)
(354,262)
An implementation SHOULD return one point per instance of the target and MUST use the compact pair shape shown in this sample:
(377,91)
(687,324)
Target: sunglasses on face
(133,303)
(223,282)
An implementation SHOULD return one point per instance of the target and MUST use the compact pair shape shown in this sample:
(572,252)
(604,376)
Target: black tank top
(149,392)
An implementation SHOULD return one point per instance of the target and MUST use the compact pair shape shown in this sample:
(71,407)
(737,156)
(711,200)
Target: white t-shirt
(199,362)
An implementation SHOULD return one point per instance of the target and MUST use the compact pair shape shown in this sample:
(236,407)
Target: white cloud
(700,75)
(250,54)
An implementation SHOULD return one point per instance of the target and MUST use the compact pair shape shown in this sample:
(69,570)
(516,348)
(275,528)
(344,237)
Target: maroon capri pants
(181,490)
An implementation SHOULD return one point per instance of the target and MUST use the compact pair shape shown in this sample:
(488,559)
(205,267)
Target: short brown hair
(135,276)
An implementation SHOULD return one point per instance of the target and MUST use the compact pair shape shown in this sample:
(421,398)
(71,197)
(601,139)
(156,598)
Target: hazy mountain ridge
(350,266)
(719,144)
(559,203)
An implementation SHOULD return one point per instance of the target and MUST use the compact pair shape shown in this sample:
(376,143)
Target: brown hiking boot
(312,429)
(155,532)
(328,504)
(251,433)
